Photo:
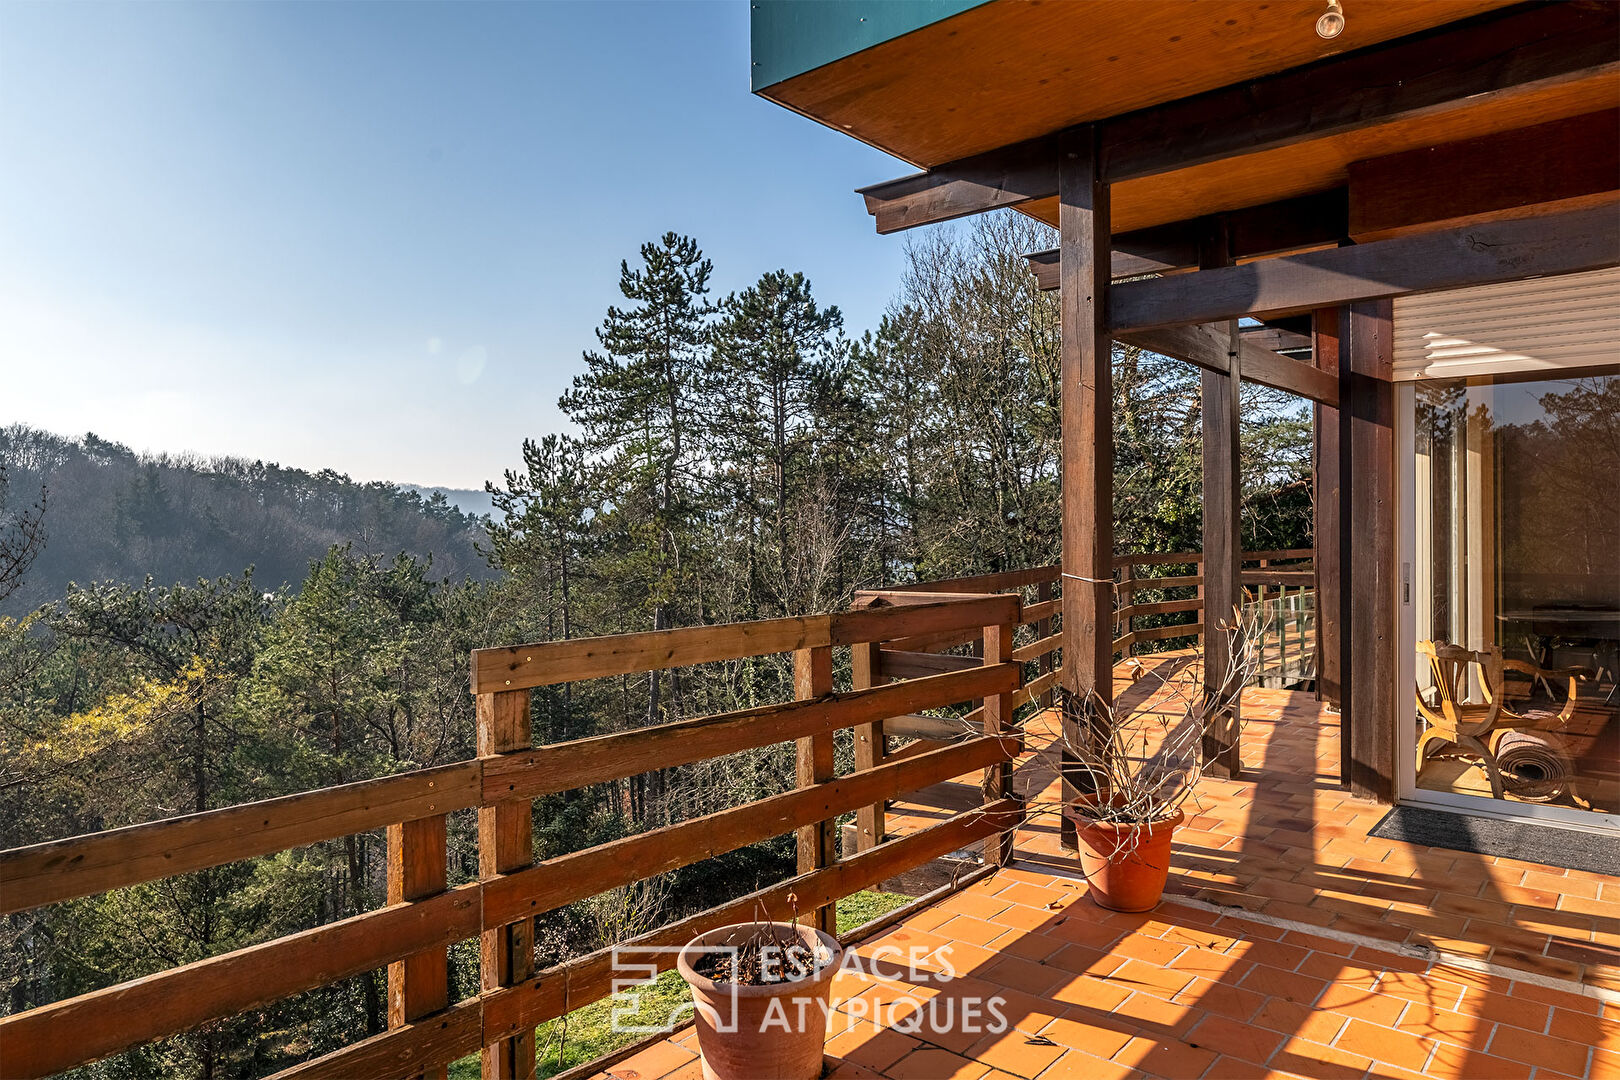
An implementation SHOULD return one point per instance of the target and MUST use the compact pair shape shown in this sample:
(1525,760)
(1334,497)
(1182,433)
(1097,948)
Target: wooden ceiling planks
(1011,70)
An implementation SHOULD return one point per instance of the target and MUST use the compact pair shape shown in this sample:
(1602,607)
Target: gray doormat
(1572,849)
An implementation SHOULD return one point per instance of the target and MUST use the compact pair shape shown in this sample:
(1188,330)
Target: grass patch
(589,1033)
(858,909)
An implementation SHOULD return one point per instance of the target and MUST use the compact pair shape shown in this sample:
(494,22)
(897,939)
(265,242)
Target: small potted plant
(1140,767)
(762,991)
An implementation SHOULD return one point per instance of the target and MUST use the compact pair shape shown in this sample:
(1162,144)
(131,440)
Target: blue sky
(376,236)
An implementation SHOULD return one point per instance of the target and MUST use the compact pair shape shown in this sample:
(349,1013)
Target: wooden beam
(1367,508)
(1450,68)
(1306,221)
(1521,50)
(813,766)
(1561,243)
(1003,177)
(1209,347)
(1325,465)
(1482,179)
(1087,400)
(1222,527)
(505,844)
(1280,341)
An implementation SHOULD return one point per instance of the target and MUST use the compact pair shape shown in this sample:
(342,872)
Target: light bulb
(1331,23)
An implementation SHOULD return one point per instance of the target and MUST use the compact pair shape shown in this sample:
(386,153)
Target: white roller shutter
(1555,322)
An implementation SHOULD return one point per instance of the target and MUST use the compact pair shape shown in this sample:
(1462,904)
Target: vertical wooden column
(1043,630)
(818,843)
(998,720)
(1367,524)
(418,867)
(1087,399)
(1223,546)
(1127,597)
(1327,559)
(870,745)
(506,843)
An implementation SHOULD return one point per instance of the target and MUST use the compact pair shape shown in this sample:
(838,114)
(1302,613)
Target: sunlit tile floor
(1289,944)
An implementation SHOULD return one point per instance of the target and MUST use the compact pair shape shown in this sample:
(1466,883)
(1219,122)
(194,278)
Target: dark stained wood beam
(1559,243)
(1485,178)
(1087,424)
(1367,535)
(1278,340)
(1209,346)
(1003,177)
(1220,750)
(1520,50)
(1452,67)
(1308,221)
(1327,533)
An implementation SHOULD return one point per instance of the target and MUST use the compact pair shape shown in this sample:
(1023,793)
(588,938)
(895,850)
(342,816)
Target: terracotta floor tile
(930,1063)
(1470,1061)
(1233,1039)
(1098,1039)
(1165,1057)
(870,1046)
(1135,975)
(1016,1053)
(1090,993)
(1076,1065)
(1385,1044)
(1301,1057)
(1221,998)
(1540,1050)
(658,1060)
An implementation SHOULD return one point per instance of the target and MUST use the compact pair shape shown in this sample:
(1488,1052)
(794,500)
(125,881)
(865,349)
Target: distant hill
(476,503)
(113,514)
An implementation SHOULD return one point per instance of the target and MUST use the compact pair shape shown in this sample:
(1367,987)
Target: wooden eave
(1243,144)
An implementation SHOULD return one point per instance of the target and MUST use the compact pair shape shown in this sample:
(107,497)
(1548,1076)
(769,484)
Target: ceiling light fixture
(1331,23)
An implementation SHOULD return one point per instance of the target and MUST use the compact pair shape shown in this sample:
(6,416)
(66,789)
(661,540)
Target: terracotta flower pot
(772,1032)
(1131,880)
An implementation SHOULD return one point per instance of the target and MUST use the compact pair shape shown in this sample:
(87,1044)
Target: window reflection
(1517,587)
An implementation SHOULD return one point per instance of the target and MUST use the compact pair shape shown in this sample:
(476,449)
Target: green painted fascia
(791,37)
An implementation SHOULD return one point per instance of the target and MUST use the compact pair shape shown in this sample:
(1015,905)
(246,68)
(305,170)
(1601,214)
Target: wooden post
(1043,630)
(818,843)
(1127,597)
(870,745)
(1367,524)
(1087,399)
(418,865)
(1327,558)
(506,843)
(1223,547)
(998,720)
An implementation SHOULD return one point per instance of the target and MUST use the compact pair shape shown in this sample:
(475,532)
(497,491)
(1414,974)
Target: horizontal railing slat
(546,770)
(986,583)
(1037,649)
(579,982)
(904,664)
(1044,610)
(402,1052)
(519,667)
(561,881)
(1159,633)
(1184,581)
(83,865)
(92,1026)
(1167,607)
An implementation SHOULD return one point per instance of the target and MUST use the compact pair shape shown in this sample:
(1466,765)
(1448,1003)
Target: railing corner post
(506,843)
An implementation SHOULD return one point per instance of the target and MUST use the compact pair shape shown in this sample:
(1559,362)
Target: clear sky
(373,236)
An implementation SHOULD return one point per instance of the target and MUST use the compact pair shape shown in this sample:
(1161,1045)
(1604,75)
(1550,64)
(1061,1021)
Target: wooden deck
(1290,944)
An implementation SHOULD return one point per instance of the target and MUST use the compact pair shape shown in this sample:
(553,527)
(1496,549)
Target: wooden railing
(410,936)
(1270,570)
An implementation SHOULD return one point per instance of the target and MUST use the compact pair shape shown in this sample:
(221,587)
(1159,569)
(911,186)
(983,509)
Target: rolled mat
(1535,765)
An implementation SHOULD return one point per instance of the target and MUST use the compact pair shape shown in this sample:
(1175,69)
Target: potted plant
(1139,767)
(762,991)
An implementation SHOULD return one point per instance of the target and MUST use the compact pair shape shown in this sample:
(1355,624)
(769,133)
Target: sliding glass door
(1510,593)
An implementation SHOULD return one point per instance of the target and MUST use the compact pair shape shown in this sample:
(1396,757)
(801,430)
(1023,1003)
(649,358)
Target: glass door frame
(1407,790)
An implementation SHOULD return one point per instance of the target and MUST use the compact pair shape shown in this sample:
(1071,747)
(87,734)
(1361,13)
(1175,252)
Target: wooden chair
(1478,727)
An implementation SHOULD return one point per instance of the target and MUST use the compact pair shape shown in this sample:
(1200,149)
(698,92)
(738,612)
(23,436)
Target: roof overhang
(991,75)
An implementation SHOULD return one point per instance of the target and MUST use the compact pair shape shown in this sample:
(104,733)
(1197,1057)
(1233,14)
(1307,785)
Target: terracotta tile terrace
(1289,943)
